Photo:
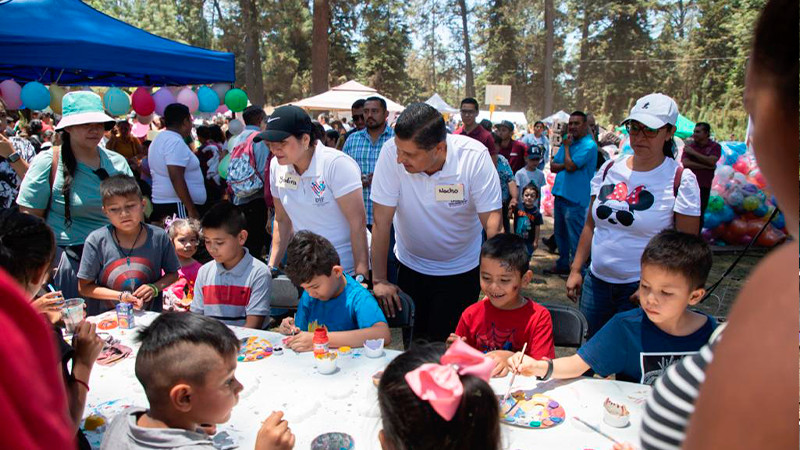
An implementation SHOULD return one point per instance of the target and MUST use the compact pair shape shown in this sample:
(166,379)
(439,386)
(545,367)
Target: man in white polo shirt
(440,190)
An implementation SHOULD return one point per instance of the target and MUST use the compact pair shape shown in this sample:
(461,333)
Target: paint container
(125,315)
(72,313)
(373,348)
(320,341)
(326,364)
(277,350)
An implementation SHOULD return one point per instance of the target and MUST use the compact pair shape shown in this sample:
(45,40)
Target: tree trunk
(584,55)
(254,78)
(433,48)
(320,64)
(549,23)
(469,87)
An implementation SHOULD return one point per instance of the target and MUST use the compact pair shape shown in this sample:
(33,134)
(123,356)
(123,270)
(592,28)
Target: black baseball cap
(535,152)
(286,121)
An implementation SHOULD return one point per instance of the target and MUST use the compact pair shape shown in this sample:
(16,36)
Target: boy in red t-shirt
(504,321)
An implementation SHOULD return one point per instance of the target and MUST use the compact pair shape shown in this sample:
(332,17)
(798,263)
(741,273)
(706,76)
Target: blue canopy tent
(69,43)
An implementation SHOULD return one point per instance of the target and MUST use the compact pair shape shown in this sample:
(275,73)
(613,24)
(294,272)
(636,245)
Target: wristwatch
(360,278)
(12,158)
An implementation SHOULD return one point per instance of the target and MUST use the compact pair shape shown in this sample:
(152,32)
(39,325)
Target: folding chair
(569,325)
(283,293)
(404,319)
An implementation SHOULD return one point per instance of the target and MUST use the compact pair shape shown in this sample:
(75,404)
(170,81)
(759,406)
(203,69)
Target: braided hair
(27,245)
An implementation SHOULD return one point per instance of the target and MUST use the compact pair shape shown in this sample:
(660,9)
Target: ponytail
(670,149)
(27,245)
(69,165)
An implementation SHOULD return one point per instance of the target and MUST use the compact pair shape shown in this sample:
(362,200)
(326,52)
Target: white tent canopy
(341,98)
(517,118)
(438,102)
(560,116)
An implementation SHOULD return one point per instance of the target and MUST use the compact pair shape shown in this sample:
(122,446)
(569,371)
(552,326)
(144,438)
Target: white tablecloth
(346,401)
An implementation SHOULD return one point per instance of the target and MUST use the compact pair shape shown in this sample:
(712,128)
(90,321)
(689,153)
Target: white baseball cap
(654,111)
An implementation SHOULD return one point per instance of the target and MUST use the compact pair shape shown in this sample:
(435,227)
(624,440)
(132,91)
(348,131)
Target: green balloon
(715,203)
(223,166)
(236,100)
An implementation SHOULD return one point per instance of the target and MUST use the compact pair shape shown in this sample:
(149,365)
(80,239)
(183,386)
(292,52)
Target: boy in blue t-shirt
(638,345)
(332,299)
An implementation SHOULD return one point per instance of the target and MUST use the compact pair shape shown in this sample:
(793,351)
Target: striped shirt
(671,402)
(360,147)
(232,295)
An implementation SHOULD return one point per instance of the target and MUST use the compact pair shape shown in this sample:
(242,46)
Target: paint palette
(108,324)
(254,348)
(333,441)
(529,410)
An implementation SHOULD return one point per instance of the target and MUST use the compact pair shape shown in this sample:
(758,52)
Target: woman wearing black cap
(316,188)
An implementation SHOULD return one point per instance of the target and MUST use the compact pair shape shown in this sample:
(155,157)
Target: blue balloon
(116,102)
(710,220)
(726,214)
(35,96)
(209,100)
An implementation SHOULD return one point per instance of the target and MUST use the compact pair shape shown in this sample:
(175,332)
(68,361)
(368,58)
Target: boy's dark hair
(411,423)
(224,215)
(175,114)
(532,187)
(27,245)
(376,99)
(358,104)
(309,255)
(422,124)
(332,134)
(509,249)
(705,126)
(170,351)
(683,253)
(470,101)
(254,115)
(119,185)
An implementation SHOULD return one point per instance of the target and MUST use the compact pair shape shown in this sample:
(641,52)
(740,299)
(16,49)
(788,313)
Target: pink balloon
(222,109)
(11,92)
(189,98)
(143,102)
(163,98)
(741,166)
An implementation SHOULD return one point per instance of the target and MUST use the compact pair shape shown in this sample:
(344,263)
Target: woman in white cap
(633,198)
(315,188)
(63,184)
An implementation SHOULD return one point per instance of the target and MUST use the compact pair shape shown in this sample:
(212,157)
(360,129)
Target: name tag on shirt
(449,192)
(289,181)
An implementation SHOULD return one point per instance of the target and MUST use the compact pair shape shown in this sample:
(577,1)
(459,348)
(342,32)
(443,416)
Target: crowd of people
(195,222)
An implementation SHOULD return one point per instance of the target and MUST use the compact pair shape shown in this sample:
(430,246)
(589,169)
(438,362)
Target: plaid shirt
(360,147)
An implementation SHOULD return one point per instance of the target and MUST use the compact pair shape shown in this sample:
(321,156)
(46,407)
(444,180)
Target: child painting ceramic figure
(185,237)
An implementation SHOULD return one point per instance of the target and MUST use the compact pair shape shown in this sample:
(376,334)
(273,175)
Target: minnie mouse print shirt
(630,208)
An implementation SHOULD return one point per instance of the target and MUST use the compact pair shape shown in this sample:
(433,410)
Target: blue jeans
(568,220)
(601,300)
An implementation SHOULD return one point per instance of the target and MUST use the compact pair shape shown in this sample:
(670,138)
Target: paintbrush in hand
(514,375)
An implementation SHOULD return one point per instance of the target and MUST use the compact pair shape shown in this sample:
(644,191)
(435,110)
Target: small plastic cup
(72,313)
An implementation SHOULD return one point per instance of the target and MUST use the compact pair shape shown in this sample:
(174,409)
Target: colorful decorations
(188,97)
(162,98)
(143,102)
(10,92)
(35,96)
(530,410)
(117,102)
(57,93)
(208,99)
(236,100)
(221,89)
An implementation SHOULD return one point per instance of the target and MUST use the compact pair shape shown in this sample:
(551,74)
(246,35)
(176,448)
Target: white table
(346,401)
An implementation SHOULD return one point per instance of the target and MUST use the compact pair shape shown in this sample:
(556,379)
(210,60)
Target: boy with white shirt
(441,191)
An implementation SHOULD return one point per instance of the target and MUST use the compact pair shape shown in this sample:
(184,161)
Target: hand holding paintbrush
(514,374)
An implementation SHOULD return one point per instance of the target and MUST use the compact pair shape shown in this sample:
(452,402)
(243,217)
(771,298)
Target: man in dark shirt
(471,128)
(701,154)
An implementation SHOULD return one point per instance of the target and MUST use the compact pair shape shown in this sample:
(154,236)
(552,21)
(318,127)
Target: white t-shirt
(439,237)
(310,199)
(632,207)
(169,149)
